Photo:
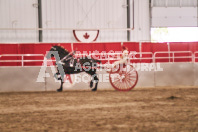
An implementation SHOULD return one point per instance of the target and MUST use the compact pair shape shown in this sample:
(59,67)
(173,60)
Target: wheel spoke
(130,82)
(124,79)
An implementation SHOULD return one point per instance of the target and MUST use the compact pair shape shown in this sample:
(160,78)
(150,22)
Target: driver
(124,57)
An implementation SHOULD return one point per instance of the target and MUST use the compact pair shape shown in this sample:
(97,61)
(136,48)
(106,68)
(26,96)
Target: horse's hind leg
(96,80)
(91,83)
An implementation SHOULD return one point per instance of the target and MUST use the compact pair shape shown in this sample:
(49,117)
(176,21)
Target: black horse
(71,65)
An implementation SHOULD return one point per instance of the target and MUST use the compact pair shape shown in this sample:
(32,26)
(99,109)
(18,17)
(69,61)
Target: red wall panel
(99,47)
(132,46)
(113,46)
(83,47)
(160,47)
(36,48)
(195,49)
(9,49)
(146,47)
(181,46)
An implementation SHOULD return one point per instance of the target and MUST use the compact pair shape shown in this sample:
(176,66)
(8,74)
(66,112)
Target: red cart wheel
(124,78)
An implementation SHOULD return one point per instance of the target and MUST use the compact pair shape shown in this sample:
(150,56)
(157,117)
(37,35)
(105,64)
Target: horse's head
(49,53)
(57,50)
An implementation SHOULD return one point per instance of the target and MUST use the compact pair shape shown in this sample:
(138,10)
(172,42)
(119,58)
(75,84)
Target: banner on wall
(86,36)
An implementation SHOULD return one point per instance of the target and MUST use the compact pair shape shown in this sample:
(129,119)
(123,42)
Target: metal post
(168,51)
(72,47)
(173,56)
(40,20)
(197,12)
(128,19)
(22,62)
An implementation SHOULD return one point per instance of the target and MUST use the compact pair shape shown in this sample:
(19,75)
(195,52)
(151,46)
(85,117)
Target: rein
(64,58)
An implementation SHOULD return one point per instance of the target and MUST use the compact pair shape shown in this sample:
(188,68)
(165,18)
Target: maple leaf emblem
(86,35)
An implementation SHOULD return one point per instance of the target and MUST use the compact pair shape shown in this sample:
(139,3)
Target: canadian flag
(86,36)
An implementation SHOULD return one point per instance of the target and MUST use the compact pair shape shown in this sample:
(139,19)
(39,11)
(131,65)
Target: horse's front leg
(61,78)
(61,87)
(57,76)
(96,81)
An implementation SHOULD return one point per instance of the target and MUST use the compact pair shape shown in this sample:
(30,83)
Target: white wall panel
(84,14)
(18,14)
(15,79)
(173,3)
(173,75)
(174,13)
(174,17)
(141,30)
(195,68)
(73,14)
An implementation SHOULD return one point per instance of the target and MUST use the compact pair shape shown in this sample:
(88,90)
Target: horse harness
(69,58)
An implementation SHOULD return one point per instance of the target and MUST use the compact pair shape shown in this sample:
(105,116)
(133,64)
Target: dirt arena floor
(141,110)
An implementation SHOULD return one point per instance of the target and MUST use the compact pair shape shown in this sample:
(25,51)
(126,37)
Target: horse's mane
(62,49)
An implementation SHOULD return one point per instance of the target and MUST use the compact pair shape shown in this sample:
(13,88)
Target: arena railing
(116,56)
(109,57)
(172,55)
(22,60)
(195,56)
(139,56)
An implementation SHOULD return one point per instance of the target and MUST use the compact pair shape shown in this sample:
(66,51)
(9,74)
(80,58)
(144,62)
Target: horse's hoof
(59,90)
(94,89)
